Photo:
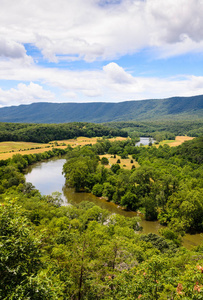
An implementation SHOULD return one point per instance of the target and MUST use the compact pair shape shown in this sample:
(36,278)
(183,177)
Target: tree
(19,251)
(97,190)
(129,200)
(104,161)
(115,168)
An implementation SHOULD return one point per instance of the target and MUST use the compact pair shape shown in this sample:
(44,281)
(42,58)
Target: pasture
(8,149)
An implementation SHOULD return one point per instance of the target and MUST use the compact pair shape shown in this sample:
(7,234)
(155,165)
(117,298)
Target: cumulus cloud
(117,74)
(95,30)
(100,29)
(112,83)
(25,94)
(11,49)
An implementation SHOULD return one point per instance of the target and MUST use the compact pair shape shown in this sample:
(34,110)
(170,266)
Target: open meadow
(178,141)
(8,149)
(124,163)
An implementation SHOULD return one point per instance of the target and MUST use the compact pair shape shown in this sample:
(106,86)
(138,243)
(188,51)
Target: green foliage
(115,168)
(20,258)
(48,251)
(80,164)
(167,186)
(160,130)
(104,161)
(44,133)
(97,189)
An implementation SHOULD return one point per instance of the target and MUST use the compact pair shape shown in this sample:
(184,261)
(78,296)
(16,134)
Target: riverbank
(47,177)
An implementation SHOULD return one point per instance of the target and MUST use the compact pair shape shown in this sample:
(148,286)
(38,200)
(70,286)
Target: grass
(125,163)
(16,146)
(178,141)
(8,149)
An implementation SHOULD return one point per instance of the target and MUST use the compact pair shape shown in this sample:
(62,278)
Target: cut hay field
(178,141)
(8,149)
(124,163)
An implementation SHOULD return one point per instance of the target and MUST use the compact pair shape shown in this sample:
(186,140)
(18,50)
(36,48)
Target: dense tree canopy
(48,251)
(167,186)
(44,133)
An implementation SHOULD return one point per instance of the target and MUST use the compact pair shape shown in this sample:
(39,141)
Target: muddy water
(47,177)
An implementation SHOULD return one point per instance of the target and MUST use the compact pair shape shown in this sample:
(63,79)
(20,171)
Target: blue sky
(99,50)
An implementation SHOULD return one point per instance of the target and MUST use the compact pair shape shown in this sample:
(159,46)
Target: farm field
(8,149)
(124,163)
(178,141)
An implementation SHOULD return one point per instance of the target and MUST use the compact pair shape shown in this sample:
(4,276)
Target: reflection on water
(47,177)
(144,141)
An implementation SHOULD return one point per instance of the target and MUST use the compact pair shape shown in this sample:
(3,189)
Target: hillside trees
(80,165)
(160,130)
(20,258)
(167,186)
(44,133)
(48,251)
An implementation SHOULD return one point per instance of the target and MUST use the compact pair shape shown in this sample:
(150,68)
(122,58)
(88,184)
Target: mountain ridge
(98,112)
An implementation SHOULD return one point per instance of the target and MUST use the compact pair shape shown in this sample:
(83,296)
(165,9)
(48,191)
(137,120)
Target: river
(47,177)
(144,141)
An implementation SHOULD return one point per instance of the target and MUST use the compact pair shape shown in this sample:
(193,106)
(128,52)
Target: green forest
(44,133)
(160,130)
(50,251)
(167,186)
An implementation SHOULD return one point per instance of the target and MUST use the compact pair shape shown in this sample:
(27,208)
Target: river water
(47,177)
(144,141)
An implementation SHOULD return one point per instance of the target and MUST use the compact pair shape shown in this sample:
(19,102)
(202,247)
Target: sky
(99,50)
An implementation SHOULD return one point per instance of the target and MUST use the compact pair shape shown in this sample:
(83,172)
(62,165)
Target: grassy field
(178,141)
(125,163)
(8,149)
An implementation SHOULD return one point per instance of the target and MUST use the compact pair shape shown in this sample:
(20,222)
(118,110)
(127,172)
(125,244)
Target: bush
(97,190)
(115,168)
(104,161)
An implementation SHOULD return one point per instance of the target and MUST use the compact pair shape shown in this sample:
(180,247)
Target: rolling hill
(175,108)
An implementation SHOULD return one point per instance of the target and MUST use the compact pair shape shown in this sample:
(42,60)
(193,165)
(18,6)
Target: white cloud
(92,92)
(93,29)
(117,74)
(25,94)
(11,49)
(112,84)
(70,95)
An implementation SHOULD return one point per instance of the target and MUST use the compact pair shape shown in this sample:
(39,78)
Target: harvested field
(125,163)
(178,141)
(8,149)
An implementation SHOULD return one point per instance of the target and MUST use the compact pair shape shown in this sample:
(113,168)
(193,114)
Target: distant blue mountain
(175,108)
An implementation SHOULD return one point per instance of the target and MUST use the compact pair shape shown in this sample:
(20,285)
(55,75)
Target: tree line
(49,251)
(166,187)
(44,133)
(160,130)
